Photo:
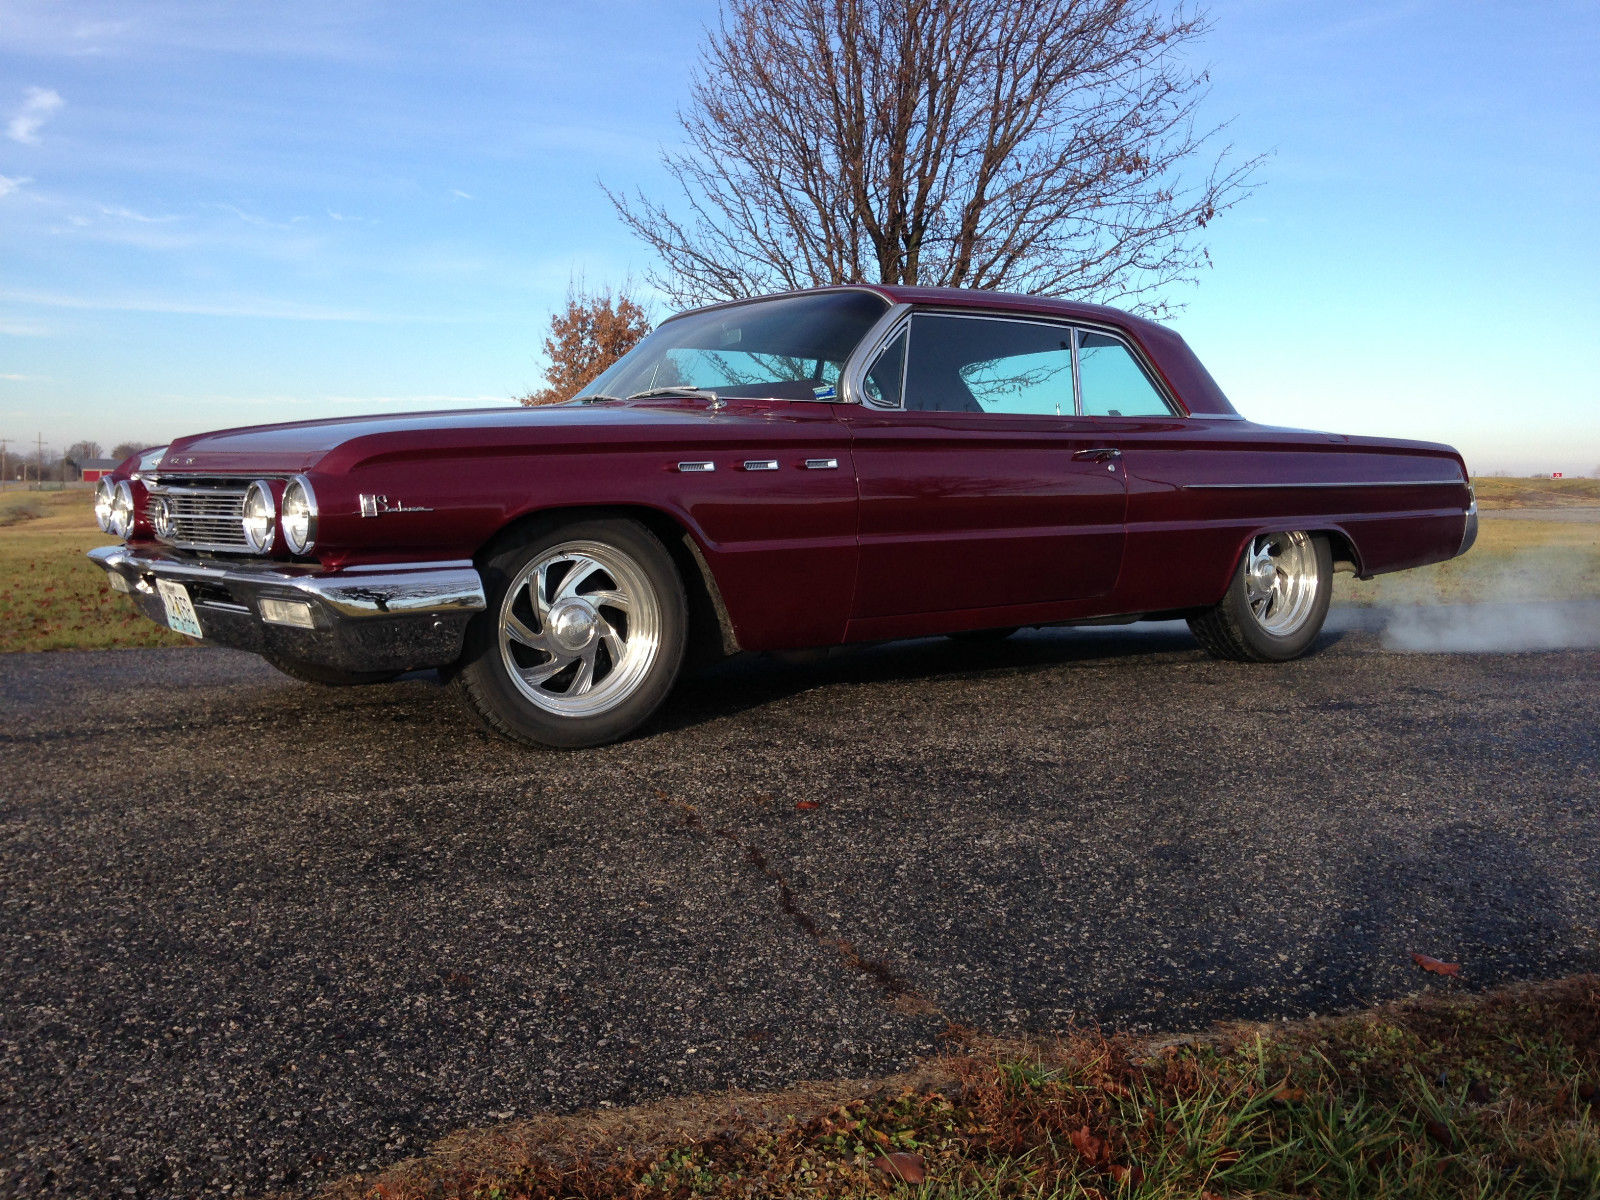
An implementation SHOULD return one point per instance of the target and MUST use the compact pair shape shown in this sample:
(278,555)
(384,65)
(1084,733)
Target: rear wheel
(307,672)
(1276,603)
(582,639)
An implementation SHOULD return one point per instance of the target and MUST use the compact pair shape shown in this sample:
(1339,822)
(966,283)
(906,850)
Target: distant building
(92,469)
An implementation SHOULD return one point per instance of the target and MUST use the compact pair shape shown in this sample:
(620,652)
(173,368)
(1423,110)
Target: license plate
(180,609)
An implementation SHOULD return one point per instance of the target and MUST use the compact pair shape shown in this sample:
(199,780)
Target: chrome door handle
(1098,454)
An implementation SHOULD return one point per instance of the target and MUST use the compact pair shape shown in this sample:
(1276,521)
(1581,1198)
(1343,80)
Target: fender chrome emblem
(376,506)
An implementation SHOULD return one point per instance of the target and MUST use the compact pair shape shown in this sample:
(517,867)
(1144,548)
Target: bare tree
(1044,146)
(122,449)
(78,452)
(586,337)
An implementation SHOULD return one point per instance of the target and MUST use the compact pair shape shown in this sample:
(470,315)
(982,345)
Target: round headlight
(299,515)
(161,516)
(102,503)
(260,513)
(121,518)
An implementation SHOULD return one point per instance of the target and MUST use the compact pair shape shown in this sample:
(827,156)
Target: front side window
(1113,383)
(989,365)
(885,378)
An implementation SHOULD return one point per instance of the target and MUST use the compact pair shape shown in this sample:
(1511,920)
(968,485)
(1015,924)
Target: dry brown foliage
(586,337)
(1247,1109)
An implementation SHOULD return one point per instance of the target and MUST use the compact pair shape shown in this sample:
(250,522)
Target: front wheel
(582,639)
(1276,604)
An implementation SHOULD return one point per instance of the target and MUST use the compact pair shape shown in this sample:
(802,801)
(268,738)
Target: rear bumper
(387,617)
(1469,534)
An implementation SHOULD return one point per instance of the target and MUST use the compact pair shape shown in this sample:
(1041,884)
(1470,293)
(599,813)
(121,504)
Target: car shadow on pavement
(750,681)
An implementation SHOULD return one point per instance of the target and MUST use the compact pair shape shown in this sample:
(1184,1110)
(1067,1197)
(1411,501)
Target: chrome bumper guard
(1469,533)
(383,617)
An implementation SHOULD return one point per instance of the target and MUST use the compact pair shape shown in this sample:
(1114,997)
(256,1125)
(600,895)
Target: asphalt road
(255,934)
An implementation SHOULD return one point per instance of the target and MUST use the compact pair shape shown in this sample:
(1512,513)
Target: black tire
(628,679)
(983,636)
(1234,630)
(316,673)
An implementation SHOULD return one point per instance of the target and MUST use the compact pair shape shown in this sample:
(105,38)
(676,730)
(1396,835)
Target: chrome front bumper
(386,617)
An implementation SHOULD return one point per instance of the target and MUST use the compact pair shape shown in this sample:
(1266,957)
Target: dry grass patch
(1504,491)
(1438,1097)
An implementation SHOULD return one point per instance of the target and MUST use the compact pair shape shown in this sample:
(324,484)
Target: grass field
(1507,491)
(52,598)
(1437,1098)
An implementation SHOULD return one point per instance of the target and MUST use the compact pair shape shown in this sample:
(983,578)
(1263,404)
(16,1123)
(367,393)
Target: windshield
(789,348)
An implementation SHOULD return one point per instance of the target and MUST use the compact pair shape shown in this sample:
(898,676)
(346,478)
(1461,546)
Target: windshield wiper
(595,398)
(679,390)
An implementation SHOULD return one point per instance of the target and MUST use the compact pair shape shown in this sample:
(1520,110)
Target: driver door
(981,488)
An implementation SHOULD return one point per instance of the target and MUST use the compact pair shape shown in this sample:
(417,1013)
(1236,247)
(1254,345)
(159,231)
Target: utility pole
(38,471)
(5,472)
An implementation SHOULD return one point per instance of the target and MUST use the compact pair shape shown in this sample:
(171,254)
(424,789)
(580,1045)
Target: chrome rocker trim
(382,617)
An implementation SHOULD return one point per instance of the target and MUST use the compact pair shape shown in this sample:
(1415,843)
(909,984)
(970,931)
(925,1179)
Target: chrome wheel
(579,629)
(1282,581)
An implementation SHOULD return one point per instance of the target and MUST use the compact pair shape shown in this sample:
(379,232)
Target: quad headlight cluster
(295,513)
(113,507)
(268,507)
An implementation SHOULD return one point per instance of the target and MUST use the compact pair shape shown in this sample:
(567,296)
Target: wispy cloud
(127,214)
(460,195)
(23,329)
(9,184)
(38,106)
(13,377)
(250,218)
(261,309)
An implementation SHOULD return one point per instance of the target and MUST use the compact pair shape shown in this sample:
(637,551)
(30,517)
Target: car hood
(303,445)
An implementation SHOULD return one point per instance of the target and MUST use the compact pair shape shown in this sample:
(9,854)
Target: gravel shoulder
(257,935)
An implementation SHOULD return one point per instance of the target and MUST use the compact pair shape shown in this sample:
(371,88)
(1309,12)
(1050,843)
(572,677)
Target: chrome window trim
(1146,368)
(1077,375)
(854,375)
(852,380)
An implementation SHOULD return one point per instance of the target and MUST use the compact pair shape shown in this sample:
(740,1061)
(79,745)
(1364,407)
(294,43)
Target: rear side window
(1113,383)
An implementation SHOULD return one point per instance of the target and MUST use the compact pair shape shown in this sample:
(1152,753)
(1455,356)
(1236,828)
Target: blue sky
(213,214)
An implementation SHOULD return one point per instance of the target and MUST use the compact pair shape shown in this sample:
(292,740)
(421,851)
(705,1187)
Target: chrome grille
(206,513)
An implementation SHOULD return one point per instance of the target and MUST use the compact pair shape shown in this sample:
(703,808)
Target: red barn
(93,469)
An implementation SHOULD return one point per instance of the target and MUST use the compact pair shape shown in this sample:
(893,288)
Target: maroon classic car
(843,465)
